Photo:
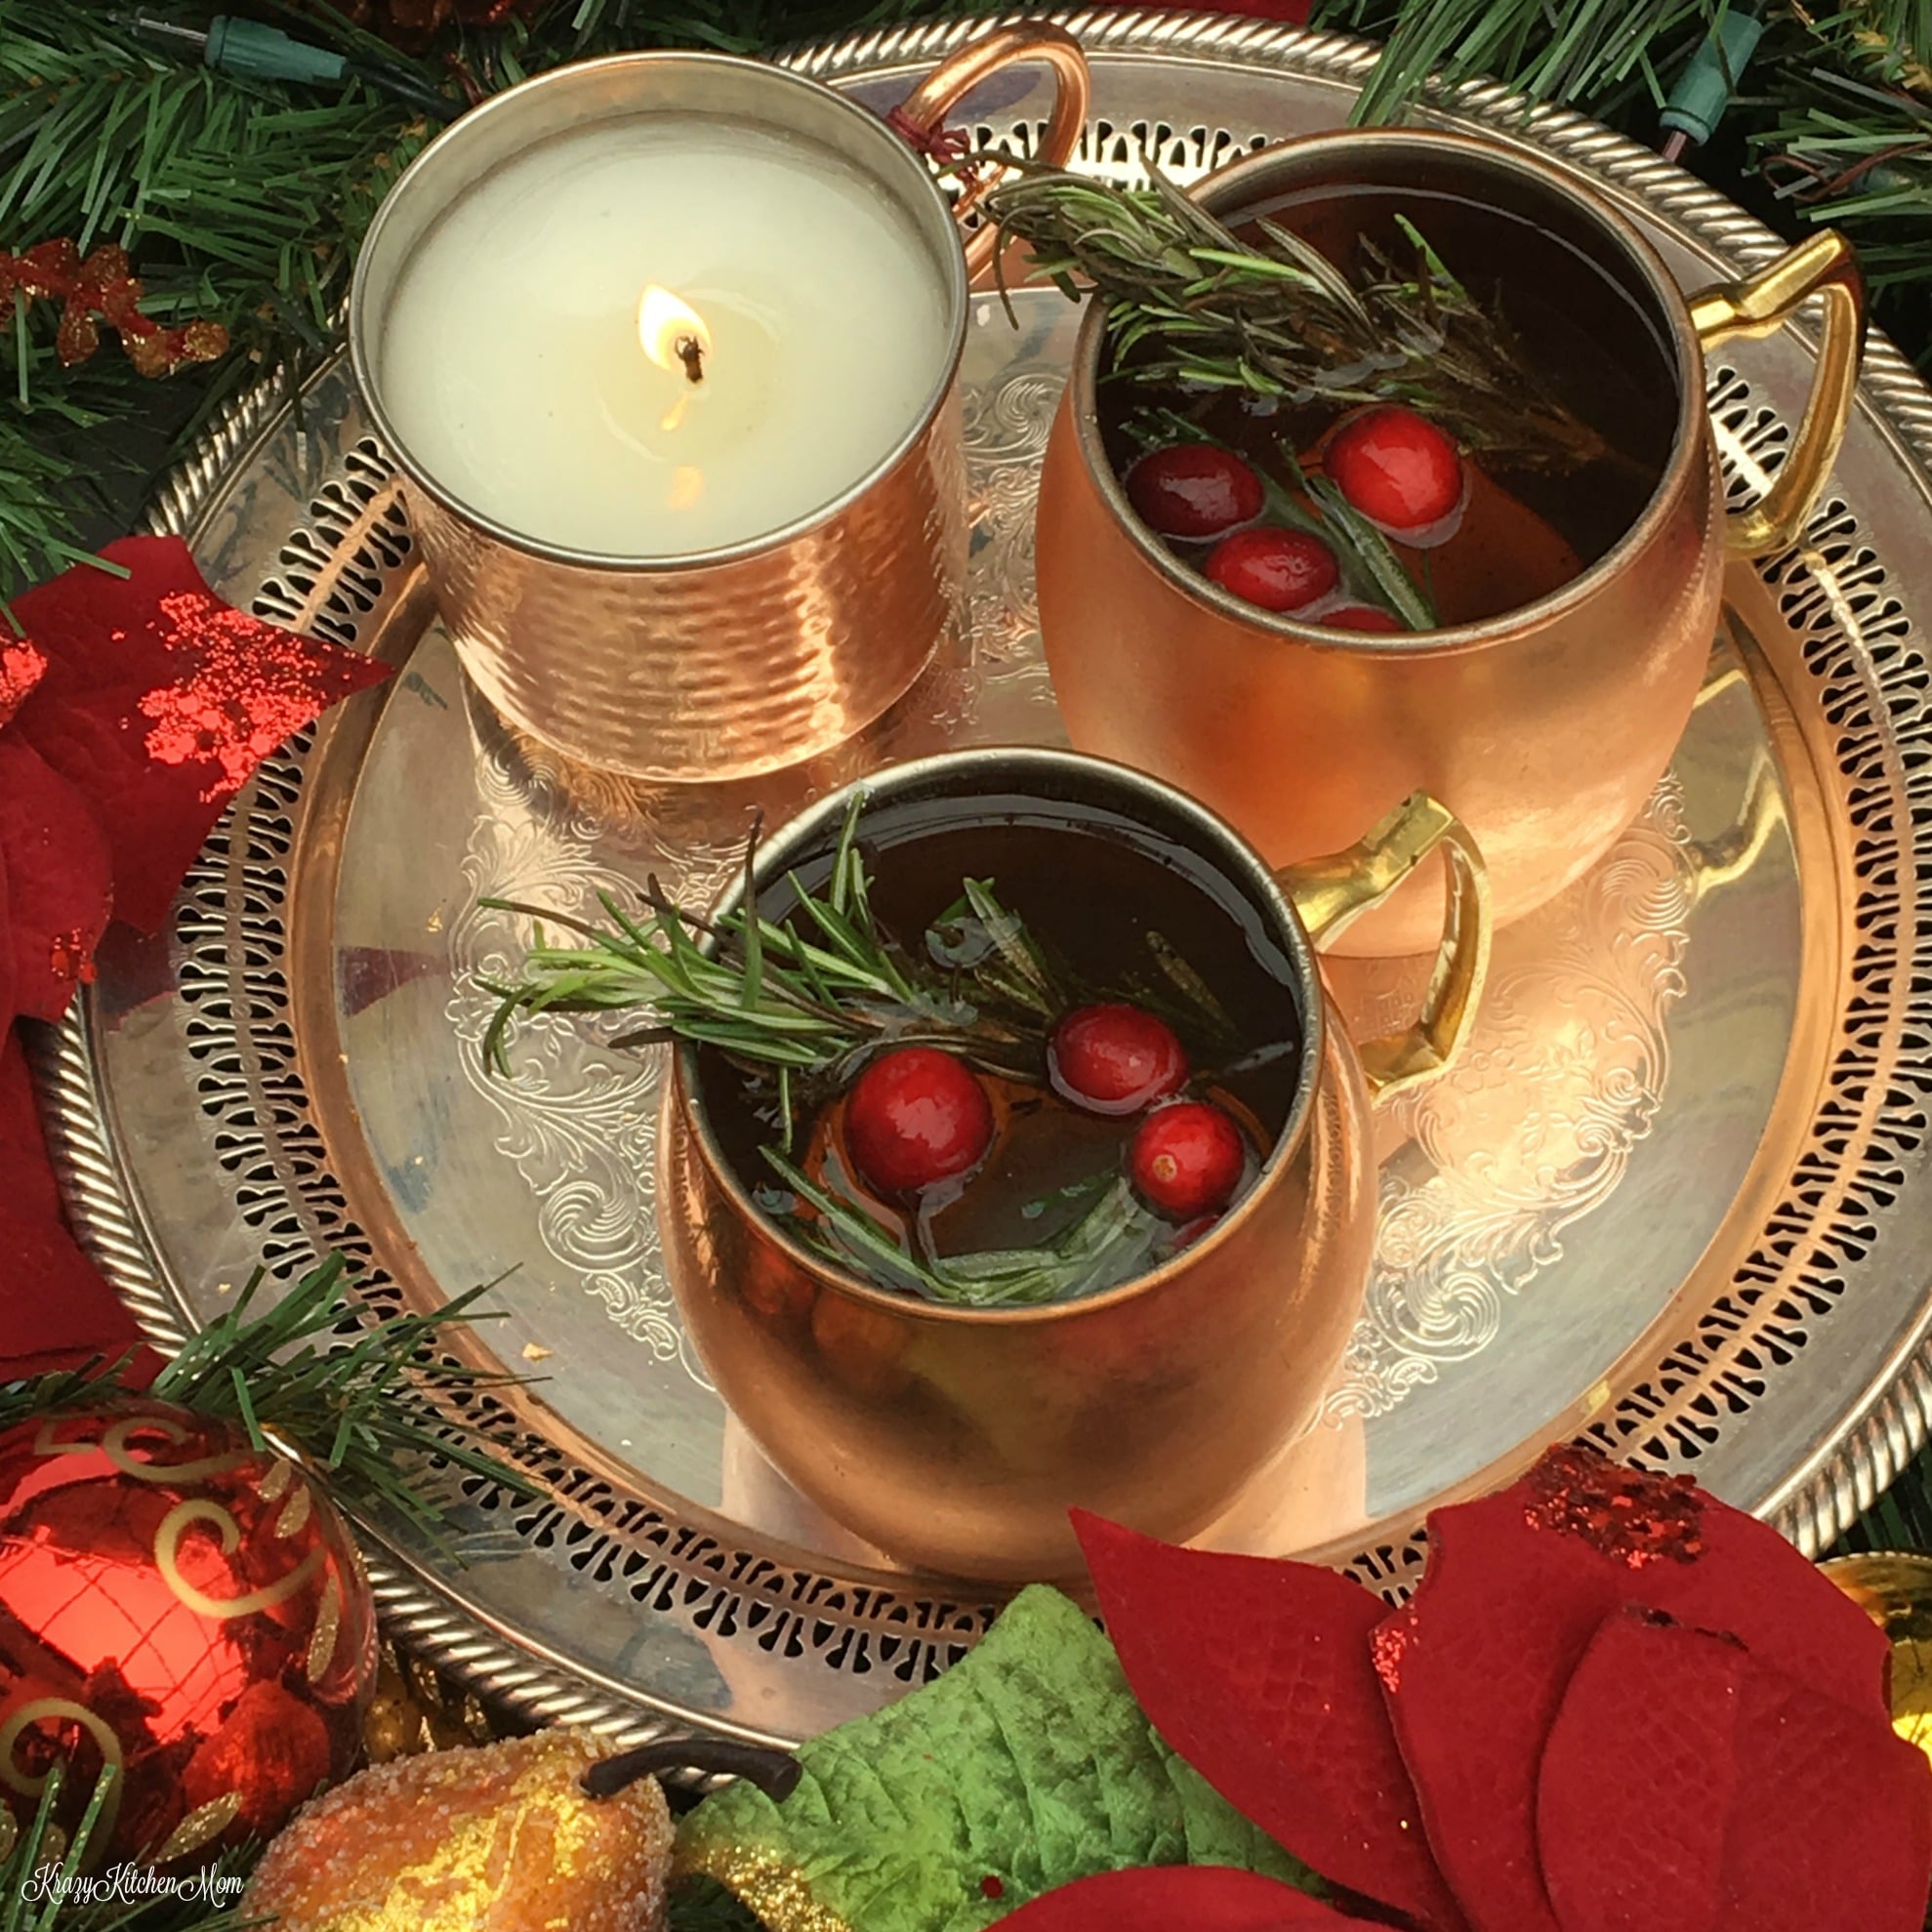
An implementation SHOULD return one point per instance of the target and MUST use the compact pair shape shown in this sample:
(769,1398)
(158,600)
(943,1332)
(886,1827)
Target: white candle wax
(513,365)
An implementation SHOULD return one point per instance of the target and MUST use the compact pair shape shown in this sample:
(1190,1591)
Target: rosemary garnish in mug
(781,1003)
(1205,309)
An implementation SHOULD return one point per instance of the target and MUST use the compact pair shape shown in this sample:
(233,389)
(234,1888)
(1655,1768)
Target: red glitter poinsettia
(1615,1703)
(132,709)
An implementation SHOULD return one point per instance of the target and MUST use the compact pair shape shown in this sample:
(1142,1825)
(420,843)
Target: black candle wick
(775,1773)
(691,352)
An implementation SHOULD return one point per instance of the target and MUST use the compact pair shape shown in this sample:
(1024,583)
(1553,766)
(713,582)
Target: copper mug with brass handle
(1545,728)
(956,1439)
(724,663)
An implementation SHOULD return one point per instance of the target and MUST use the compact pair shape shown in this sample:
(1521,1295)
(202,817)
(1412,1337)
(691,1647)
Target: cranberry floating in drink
(1274,569)
(1402,472)
(1115,1059)
(917,1118)
(1194,490)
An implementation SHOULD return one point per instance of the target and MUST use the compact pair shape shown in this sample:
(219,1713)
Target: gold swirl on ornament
(295,1511)
(275,1479)
(328,1627)
(30,1787)
(113,1443)
(205,1822)
(167,1555)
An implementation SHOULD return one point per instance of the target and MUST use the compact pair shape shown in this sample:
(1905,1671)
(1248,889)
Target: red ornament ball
(915,1118)
(1400,472)
(1193,490)
(1276,569)
(182,1606)
(1360,617)
(1187,1160)
(1115,1059)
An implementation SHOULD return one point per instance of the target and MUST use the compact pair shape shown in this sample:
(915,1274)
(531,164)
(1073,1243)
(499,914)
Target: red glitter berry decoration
(915,1118)
(1400,472)
(1186,1160)
(1276,569)
(1360,617)
(1628,1514)
(1115,1059)
(1193,490)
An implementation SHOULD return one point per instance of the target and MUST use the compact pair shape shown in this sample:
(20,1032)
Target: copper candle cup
(957,1439)
(1545,728)
(730,662)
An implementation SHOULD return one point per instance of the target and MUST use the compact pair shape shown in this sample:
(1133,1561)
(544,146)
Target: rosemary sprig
(804,997)
(1191,304)
(1107,1244)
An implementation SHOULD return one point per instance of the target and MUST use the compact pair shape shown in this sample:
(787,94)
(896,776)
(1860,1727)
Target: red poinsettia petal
(1258,1672)
(1831,1826)
(1174,1898)
(1516,1586)
(159,701)
(58,1312)
(1638,1778)
(58,883)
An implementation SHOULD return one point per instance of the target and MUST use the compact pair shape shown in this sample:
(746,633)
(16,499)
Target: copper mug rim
(480,122)
(1229,187)
(1244,868)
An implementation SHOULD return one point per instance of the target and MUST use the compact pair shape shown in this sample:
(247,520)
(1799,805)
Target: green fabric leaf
(1029,1763)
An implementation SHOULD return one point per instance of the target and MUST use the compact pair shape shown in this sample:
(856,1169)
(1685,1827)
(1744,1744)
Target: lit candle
(663,335)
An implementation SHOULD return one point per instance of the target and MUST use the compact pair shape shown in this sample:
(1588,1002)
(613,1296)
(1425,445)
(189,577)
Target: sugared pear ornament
(500,1838)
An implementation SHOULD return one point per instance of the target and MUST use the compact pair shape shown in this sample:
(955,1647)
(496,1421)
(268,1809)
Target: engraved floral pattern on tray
(1534,1127)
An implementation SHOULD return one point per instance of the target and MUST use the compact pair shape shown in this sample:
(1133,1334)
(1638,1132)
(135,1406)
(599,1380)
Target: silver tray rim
(1895,1419)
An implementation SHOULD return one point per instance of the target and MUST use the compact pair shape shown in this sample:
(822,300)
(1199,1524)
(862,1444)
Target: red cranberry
(1115,1059)
(1277,569)
(1360,617)
(1400,472)
(1193,490)
(914,1118)
(1186,1160)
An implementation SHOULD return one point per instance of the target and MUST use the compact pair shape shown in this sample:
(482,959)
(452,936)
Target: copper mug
(725,663)
(956,1439)
(1545,728)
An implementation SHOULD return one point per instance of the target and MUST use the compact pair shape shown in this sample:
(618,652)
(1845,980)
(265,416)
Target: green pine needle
(355,1398)
(45,1879)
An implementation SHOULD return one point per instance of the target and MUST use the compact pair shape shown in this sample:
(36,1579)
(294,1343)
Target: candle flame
(673,336)
(673,333)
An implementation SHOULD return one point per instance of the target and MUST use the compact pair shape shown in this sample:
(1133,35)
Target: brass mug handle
(1328,893)
(925,108)
(1760,306)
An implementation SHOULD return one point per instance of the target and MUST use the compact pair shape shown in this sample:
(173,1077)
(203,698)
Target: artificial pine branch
(355,1398)
(1588,53)
(38,1892)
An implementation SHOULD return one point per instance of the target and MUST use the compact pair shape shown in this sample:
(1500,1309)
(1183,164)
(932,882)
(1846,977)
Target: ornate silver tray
(1676,1198)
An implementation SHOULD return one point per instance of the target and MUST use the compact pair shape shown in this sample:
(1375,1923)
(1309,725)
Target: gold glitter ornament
(1895,1591)
(498,1838)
